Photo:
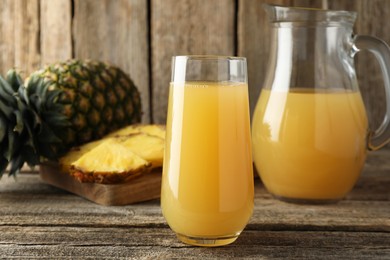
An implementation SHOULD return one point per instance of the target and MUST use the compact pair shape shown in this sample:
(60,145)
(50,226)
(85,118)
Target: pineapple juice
(207,186)
(309,145)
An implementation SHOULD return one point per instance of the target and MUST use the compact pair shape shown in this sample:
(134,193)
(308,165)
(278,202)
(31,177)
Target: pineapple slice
(118,157)
(75,153)
(149,147)
(109,162)
(154,130)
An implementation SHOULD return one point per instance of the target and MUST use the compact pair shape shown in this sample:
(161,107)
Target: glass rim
(209,57)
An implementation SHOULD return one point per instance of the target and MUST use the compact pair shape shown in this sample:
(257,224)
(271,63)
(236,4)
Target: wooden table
(39,220)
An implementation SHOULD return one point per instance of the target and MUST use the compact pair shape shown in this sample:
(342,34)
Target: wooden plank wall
(141,36)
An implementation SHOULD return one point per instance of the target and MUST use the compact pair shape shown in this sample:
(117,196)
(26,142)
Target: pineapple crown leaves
(28,116)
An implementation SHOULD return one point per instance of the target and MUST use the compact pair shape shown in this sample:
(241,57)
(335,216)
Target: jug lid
(309,16)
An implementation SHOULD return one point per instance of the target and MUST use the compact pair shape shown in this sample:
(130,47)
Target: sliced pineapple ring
(154,130)
(149,147)
(109,162)
(75,153)
(118,157)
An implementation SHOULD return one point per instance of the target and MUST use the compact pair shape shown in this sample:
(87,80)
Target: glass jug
(310,130)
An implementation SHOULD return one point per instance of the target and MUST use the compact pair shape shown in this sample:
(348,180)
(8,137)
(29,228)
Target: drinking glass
(207,185)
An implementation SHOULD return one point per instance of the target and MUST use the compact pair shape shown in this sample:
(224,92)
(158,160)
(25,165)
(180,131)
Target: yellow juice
(207,187)
(309,145)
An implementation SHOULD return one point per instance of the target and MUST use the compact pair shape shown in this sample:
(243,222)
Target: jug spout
(309,16)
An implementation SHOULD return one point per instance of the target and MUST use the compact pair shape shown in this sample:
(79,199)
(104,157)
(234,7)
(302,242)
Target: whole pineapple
(61,106)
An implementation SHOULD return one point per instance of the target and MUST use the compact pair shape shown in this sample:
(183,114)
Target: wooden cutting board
(143,188)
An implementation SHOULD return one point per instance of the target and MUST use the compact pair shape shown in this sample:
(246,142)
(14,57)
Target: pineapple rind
(86,98)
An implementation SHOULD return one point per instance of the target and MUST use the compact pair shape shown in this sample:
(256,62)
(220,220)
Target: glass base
(307,201)
(207,241)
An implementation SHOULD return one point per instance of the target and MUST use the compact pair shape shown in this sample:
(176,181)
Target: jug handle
(381,136)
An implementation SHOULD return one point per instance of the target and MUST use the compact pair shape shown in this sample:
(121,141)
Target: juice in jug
(309,130)
(309,143)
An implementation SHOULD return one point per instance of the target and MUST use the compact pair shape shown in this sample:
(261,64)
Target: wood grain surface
(141,188)
(147,243)
(19,30)
(56,30)
(37,220)
(142,36)
(184,28)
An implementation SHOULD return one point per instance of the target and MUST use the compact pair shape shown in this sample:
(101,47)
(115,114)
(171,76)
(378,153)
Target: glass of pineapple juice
(207,186)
